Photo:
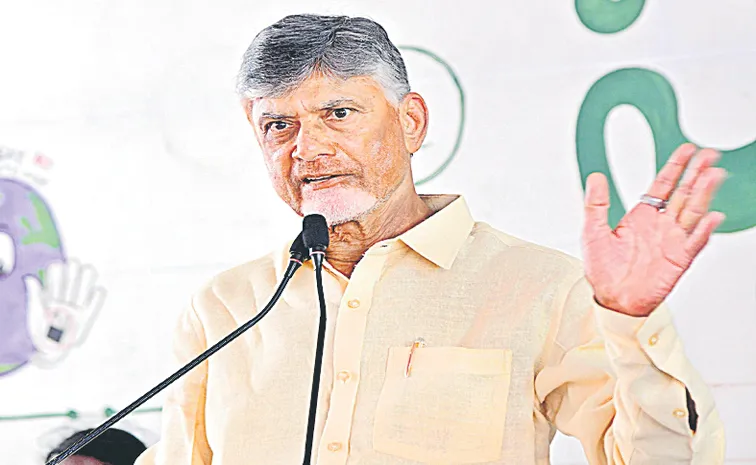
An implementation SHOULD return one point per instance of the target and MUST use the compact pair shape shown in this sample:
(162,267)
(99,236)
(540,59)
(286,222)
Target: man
(448,341)
(113,447)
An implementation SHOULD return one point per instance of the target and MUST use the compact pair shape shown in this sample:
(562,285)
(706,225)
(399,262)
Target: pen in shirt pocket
(419,342)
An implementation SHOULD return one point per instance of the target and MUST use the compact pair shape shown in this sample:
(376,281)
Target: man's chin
(339,206)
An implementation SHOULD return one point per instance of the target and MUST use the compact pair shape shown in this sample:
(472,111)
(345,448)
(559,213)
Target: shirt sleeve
(619,385)
(183,439)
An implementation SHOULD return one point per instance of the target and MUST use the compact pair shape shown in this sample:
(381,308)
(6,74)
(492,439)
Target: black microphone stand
(315,238)
(298,255)
(317,259)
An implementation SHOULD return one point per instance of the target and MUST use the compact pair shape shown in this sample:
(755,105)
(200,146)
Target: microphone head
(315,232)
(298,249)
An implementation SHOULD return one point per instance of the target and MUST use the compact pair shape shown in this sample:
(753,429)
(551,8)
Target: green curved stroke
(460,128)
(608,16)
(4,367)
(654,97)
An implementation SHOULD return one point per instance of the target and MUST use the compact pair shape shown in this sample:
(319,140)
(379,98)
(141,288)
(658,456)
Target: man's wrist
(636,312)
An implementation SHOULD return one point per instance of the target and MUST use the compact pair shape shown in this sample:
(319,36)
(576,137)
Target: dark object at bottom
(114,446)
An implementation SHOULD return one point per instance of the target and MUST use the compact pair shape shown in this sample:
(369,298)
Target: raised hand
(60,313)
(635,266)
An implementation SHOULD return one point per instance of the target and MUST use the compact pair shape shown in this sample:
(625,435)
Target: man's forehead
(320,92)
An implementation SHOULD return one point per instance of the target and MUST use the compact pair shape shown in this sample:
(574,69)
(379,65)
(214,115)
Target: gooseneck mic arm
(298,254)
(315,237)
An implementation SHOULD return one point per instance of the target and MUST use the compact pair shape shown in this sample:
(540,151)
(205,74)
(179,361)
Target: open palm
(635,266)
(61,311)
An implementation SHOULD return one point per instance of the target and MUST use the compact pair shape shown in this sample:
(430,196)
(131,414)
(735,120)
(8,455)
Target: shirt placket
(347,353)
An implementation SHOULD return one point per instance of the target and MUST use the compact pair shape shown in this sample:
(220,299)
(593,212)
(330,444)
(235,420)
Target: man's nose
(312,142)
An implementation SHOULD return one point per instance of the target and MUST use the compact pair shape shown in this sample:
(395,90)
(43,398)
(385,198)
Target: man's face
(334,147)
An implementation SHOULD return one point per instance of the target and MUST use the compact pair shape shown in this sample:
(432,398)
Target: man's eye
(341,113)
(276,126)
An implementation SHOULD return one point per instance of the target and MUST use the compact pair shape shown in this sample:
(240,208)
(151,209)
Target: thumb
(33,291)
(35,310)
(596,221)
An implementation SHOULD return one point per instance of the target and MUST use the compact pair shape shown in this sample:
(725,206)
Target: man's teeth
(321,178)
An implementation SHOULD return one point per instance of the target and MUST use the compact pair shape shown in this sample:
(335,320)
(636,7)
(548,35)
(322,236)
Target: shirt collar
(440,237)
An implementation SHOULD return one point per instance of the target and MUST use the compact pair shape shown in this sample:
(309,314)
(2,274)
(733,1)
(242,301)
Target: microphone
(315,236)
(315,239)
(298,254)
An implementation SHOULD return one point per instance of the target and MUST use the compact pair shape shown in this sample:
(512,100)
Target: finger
(697,204)
(73,281)
(705,159)
(86,282)
(33,289)
(95,300)
(596,207)
(700,236)
(670,173)
(93,309)
(34,302)
(55,281)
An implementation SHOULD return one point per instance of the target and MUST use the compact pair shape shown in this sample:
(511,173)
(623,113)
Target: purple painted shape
(16,203)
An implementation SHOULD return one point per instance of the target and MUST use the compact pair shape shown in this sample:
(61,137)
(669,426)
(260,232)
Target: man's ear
(413,116)
(247,105)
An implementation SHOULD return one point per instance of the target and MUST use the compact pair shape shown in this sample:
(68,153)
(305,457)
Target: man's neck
(349,241)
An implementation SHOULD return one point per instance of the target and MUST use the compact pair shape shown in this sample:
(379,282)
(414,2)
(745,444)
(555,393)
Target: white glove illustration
(61,312)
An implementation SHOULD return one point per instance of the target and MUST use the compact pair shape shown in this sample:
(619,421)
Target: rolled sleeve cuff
(654,340)
(655,335)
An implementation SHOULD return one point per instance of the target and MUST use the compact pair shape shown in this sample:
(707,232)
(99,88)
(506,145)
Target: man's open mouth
(319,179)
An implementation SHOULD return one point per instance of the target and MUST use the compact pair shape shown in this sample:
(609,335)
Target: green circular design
(608,16)
(651,94)
(461,95)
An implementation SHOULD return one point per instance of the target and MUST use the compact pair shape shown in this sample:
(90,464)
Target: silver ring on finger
(656,202)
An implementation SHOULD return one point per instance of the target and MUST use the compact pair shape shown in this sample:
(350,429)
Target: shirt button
(354,303)
(653,340)
(334,446)
(679,413)
(343,376)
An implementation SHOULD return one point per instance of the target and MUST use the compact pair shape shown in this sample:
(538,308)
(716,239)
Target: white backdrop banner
(129,175)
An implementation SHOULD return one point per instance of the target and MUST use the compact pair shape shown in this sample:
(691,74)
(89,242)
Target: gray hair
(285,54)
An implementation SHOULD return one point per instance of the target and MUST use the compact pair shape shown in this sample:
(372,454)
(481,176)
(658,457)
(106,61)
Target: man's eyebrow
(275,116)
(327,105)
(339,102)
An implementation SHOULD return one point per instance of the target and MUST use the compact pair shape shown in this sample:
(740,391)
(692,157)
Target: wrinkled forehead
(320,92)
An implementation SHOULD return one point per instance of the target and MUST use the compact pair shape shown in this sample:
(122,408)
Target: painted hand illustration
(61,312)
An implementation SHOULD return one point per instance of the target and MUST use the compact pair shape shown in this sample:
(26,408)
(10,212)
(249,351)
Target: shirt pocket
(451,409)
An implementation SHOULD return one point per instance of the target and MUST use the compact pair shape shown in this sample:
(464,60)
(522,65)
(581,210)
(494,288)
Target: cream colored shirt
(515,348)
